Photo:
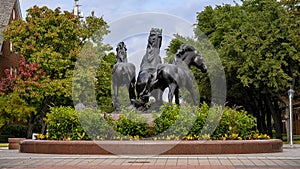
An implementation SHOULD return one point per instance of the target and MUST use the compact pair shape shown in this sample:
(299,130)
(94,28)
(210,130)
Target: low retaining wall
(151,147)
(14,143)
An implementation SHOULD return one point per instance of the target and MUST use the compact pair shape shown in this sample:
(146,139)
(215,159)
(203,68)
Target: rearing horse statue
(178,75)
(123,74)
(148,67)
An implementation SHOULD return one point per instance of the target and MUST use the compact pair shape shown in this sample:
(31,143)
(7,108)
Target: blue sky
(124,18)
(114,9)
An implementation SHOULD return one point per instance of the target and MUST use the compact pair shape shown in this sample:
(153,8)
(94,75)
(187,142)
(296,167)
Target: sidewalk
(289,158)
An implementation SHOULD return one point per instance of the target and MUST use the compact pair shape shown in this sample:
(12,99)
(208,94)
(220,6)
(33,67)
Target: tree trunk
(277,120)
(275,115)
(30,125)
(269,124)
(43,111)
(287,123)
(255,110)
(262,110)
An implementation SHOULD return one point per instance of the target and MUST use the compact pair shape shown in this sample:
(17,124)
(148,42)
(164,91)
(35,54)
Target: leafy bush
(95,124)
(11,131)
(15,130)
(171,123)
(131,124)
(63,124)
(174,121)
(167,118)
(235,125)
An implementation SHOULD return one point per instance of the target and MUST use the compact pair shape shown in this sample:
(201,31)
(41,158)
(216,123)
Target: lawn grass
(294,142)
(3,144)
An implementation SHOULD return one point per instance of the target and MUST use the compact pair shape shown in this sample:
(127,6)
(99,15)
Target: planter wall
(14,143)
(151,147)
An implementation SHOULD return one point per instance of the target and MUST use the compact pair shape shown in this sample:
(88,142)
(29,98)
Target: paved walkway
(289,158)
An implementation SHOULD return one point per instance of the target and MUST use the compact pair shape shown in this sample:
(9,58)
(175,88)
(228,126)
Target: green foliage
(255,43)
(258,43)
(166,119)
(235,125)
(14,130)
(103,84)
(172,49)
(173,123)
(13,108)
(63,124)
(53,39)
(95,125)
(200,121)
(131,124)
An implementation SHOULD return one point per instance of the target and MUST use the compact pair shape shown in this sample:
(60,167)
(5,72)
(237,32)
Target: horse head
(155,38)
(152,57)
(190,56)
(121,52)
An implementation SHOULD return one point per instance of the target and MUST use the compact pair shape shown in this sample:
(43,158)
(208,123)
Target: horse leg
(177,95)
(159,97)
(172,88)
(131,91)
(116,102)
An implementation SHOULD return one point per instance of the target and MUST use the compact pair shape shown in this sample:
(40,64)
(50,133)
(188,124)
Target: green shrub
(174,121)
(171,122)
(166,119)
(236,125)
(95,125)
(131,124)
(63,124)
(15,130)
(200,121)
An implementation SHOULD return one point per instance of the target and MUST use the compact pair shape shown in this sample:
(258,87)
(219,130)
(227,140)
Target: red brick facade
(8,58)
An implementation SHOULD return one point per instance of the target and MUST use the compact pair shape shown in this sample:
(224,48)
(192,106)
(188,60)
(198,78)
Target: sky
(131,20)
(114,9)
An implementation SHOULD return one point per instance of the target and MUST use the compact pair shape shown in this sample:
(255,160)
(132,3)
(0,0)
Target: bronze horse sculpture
(123,74)
(148,67)
(178,75)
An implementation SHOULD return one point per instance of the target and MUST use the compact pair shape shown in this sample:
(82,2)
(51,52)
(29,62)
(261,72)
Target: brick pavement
(289,158)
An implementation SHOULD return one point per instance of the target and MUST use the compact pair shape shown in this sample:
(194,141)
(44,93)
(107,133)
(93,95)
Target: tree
(53,39)
(21,92)
(256,42)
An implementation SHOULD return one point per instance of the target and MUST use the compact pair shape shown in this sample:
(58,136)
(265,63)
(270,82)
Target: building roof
(6,8)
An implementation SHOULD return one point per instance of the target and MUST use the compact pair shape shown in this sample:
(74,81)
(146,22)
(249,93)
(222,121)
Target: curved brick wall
(147,147)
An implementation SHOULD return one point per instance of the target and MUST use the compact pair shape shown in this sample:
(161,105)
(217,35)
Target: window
(14,14)
(10,47)
(16,72)
(11,71)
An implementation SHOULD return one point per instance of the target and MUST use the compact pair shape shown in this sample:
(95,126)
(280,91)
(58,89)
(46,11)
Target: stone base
(151,147)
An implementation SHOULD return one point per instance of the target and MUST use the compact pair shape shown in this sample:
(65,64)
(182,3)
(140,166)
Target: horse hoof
(137,103)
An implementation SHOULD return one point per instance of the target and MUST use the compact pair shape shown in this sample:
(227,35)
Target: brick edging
(151,147)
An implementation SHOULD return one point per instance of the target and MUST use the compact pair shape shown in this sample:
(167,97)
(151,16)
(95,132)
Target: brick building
(9,10)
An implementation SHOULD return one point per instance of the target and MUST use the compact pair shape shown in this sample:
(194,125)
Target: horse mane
(180,55)
(121,45)
(152,58)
